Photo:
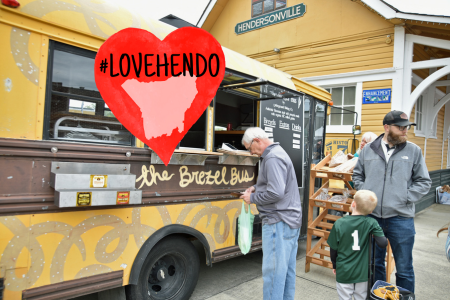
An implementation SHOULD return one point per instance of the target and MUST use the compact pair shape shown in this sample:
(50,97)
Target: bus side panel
(23,74)
(41,249)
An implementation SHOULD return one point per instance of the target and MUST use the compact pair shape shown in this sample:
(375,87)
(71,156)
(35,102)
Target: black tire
(170,271)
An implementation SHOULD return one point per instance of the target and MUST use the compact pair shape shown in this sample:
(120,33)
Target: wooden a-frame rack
(320,227)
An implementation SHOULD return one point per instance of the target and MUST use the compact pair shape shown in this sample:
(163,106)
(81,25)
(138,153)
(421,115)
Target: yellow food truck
(85,206)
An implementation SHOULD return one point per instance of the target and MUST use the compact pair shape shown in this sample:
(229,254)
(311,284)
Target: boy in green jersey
(349,246)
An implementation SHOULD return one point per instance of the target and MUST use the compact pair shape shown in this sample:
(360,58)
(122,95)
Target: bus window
(234,108)
(75,110)
(196,136)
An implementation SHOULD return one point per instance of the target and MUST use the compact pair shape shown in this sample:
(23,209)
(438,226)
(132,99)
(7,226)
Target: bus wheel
(170,271)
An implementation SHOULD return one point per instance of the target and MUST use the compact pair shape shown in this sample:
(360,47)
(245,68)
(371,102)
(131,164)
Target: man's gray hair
(252,133)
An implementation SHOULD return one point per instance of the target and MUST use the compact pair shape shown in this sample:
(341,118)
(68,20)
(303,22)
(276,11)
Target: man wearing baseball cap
(395,170)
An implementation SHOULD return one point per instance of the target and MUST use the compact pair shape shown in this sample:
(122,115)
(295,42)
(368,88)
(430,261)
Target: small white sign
(296,141)
(98,181)
(296,135)
(270,134)
(268,129)
(296,146)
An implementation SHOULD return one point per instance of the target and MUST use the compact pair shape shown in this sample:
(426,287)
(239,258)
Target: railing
(105,133)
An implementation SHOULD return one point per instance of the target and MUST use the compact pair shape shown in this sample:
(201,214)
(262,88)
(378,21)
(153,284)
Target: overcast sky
(191,10)
(188,10)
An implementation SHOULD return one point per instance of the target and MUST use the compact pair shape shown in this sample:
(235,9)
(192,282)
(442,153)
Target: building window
(419,114)
(419,118)
(260,7)
(342,97)
(75,110)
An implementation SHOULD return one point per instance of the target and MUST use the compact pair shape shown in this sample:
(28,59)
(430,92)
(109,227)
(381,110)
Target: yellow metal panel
(50,248)
(43,59)
(20,74)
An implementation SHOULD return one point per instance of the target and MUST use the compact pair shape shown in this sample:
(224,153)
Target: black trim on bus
(2,287)
(54,45)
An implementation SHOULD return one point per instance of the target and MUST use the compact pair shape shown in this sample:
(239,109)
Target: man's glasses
(401,128)
(248,149)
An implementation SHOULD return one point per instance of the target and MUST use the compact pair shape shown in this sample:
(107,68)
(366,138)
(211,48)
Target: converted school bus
(84,205)
(351,48)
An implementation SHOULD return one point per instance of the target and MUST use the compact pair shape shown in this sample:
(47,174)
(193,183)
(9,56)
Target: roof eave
(393,15)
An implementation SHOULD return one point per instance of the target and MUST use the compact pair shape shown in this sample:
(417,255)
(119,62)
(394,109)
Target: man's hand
(334,271)
(246,195)
(250,189)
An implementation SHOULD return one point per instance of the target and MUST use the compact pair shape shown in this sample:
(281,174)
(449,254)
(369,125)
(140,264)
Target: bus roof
(97,21)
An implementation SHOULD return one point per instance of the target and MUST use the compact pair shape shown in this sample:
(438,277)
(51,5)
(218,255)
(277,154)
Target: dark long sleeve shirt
(276,192)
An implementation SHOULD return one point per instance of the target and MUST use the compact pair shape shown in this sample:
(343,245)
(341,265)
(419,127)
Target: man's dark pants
(400,232)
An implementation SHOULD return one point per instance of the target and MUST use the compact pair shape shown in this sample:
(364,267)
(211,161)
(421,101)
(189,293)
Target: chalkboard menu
(282,119)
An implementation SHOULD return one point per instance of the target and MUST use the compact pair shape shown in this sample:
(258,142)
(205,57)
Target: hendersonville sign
(271,18)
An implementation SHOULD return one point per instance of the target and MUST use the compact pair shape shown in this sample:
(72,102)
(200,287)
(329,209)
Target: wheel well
(170,230)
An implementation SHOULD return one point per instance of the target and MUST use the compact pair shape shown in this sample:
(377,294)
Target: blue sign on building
(377,96)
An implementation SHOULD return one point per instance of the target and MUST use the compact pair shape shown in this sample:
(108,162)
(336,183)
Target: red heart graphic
(158,89)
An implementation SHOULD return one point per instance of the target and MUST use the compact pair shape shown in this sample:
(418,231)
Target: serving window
(75,110)
(235,110)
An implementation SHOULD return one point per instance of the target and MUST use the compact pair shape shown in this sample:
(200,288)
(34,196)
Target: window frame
(253,2)
(346,129)
(55,45)
(433,133)
(418,129)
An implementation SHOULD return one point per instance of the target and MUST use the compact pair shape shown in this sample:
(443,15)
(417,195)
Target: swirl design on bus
(46,263)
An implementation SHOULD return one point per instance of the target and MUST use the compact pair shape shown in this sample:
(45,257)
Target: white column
(399,57)
(358,101)
(407,74)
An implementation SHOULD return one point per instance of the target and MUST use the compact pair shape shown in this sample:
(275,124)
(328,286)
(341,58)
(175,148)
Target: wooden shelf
(320,226)
(231,132)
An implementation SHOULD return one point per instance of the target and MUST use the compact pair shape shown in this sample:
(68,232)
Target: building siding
(349,54)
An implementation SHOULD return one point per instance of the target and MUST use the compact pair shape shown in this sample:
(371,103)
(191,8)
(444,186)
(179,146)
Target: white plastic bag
(341,198)
(323,195)
(337,159)
(346,167)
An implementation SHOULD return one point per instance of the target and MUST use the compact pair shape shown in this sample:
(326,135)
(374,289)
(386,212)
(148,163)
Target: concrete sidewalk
(240,278)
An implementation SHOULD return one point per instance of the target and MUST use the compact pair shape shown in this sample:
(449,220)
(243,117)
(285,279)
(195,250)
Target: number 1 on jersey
(355,246)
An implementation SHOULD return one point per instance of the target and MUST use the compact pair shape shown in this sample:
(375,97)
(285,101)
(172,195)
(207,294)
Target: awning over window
(256,89)
(241,63)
